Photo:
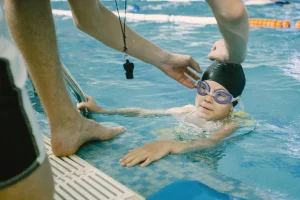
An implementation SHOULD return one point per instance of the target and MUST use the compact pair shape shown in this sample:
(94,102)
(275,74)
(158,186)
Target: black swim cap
(230,76)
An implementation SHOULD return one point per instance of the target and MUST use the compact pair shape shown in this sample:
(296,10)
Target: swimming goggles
(220,96)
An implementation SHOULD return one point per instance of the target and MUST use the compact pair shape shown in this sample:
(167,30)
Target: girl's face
(208,108)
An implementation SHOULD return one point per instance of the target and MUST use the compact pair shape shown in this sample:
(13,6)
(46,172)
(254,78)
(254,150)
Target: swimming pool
(263,164)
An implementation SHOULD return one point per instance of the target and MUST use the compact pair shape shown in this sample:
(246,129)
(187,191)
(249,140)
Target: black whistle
(128,66)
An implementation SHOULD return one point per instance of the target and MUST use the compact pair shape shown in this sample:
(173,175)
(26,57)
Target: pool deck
(76,179)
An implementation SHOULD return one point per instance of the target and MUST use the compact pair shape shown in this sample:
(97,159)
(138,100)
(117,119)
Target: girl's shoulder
(242,118)
(189,106)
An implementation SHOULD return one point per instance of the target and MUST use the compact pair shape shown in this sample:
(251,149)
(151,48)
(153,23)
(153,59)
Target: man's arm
(96,20)
(233,22)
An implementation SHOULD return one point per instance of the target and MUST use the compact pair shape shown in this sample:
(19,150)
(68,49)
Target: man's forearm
(96,20)
(233,22)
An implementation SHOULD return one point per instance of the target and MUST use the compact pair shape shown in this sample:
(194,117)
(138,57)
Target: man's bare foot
(67,139)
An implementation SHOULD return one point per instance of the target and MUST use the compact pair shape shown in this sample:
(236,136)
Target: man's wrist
(161,58)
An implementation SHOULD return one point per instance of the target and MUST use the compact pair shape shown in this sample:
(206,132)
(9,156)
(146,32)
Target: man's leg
(31,25)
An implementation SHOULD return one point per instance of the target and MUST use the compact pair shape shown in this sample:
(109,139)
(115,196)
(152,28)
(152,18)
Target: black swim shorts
(21,146)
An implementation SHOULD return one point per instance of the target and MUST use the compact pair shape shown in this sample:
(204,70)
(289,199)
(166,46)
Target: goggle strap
(236,98)
(241,105)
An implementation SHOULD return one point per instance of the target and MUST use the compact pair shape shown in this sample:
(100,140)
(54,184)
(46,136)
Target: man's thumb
(212,55)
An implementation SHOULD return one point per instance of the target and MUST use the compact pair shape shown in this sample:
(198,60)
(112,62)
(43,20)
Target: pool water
(262,164)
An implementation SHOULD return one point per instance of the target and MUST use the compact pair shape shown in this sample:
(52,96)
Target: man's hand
(233,23)
(219,52)
(176,67)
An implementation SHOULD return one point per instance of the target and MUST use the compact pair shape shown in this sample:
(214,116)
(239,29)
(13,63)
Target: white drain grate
(76,179)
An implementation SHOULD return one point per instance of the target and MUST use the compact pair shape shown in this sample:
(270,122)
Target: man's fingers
(212,56)
(191,74)
(217,56)
(213,48)
(193,64)
(184,80)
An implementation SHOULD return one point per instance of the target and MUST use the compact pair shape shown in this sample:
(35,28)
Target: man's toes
(119,130)
(112,132)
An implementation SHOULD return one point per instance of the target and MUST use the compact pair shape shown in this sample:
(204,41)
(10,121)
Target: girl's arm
(92,106)
(226,130)
(157,150)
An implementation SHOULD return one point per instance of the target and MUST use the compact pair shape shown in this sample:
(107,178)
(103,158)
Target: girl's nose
(208,98)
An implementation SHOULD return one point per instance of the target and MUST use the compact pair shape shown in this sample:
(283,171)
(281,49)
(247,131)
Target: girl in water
(218,92)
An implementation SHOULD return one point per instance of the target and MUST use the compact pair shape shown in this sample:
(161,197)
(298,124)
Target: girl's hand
(91,105)
(151,152)
(146,154)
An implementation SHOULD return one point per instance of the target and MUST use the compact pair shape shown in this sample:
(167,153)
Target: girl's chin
(201,114)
